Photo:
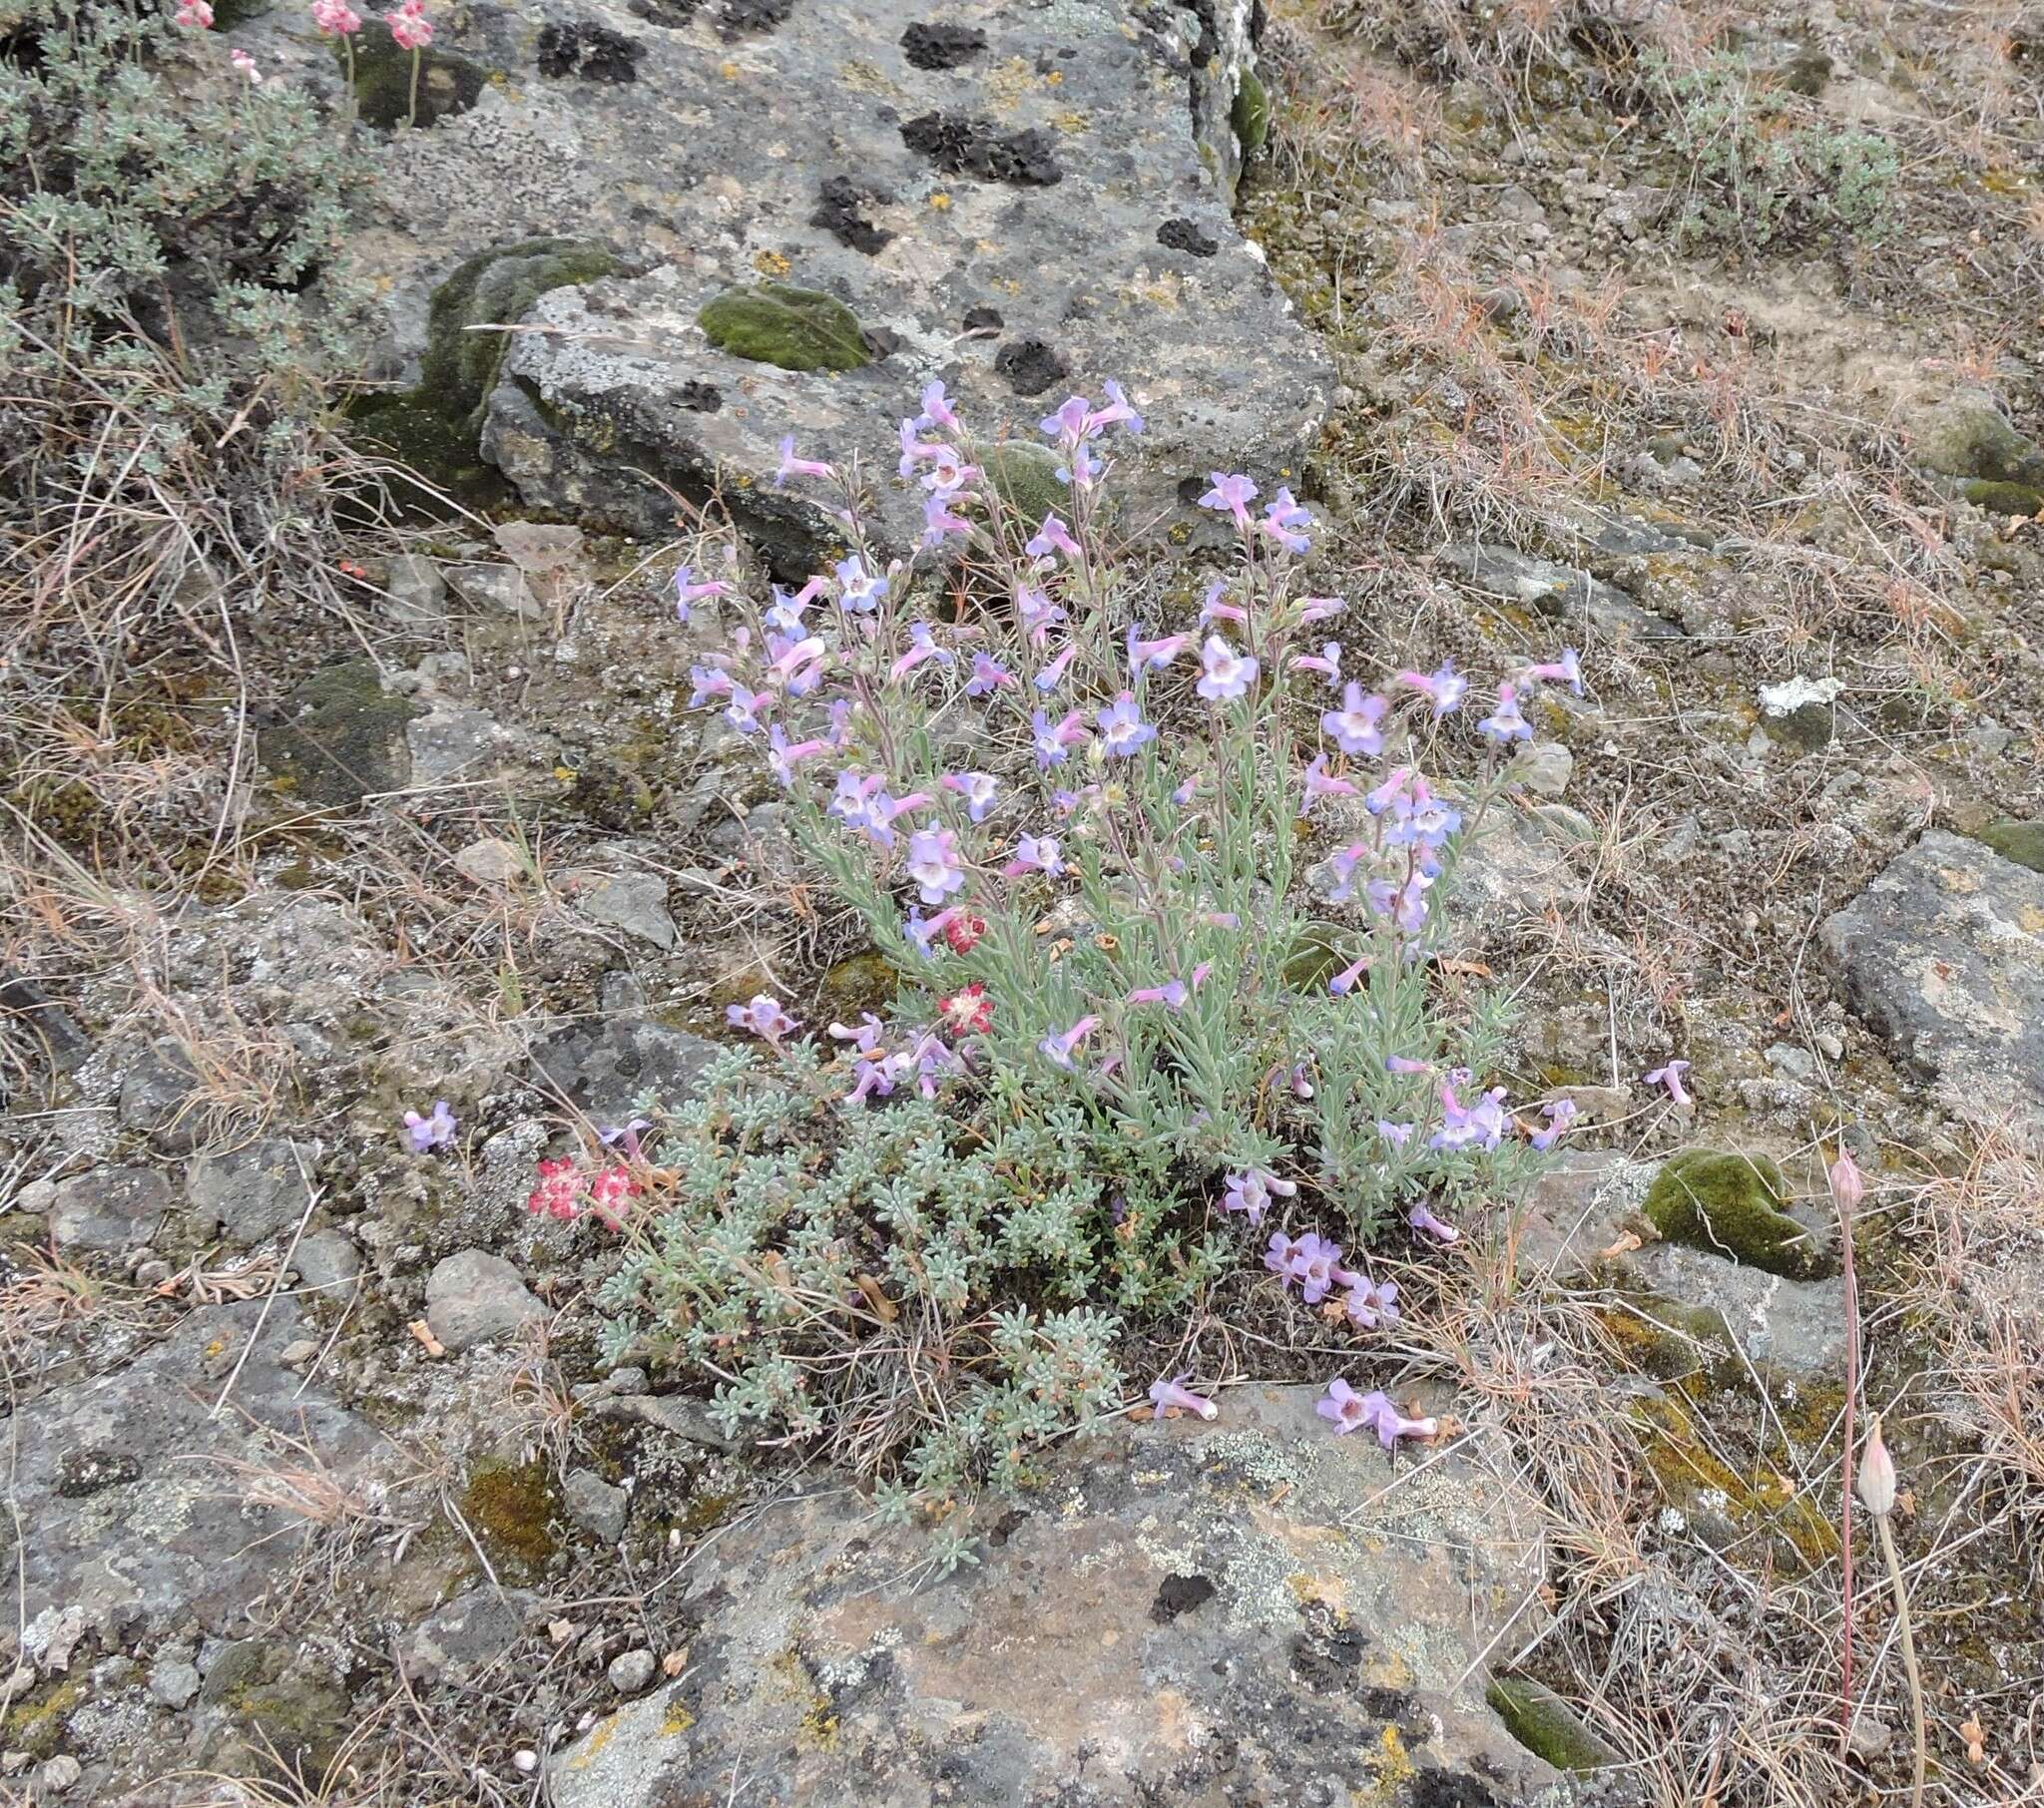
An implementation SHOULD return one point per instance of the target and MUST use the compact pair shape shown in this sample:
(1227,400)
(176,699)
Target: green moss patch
(515,1515)
(794,328)
(1025,477)
(1731,1204)
(865,982)
(2022,842)
(2003,498)
(343,737)
(1547,1726)
(1250,114)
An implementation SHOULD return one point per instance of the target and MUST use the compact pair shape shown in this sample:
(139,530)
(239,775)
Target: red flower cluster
(967,1013)
(963,931)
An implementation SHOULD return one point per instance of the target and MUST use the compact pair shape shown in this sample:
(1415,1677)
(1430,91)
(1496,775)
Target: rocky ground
(1710,345)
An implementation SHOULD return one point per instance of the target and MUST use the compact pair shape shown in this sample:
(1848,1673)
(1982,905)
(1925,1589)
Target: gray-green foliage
(128,203)
(928,1294)
(1766,164)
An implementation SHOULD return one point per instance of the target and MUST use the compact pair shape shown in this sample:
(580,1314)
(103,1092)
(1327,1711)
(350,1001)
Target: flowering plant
(1106,857)
(1166,905)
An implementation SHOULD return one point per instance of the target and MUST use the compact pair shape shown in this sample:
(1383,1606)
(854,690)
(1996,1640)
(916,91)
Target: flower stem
(1887,1545)
(348,45)
(412,113)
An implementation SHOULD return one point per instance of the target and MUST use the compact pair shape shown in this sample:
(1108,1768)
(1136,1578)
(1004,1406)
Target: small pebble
(526,1762)
(302,1349)
(631,1671)
(59,1775)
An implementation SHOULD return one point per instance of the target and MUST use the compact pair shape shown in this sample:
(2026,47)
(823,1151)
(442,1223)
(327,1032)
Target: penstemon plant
(1165,898)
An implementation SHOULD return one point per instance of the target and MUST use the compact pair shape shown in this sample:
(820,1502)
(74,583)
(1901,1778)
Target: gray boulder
(1248,1610)
(1943,955)
(251,1192)
(602,1067)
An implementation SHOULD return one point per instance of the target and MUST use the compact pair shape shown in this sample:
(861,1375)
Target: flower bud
(1877,1479)
(1848,1185)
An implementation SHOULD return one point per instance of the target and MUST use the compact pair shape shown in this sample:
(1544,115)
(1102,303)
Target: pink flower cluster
(1315,1264)
(1349,1410)
(409,26)
(566,1192)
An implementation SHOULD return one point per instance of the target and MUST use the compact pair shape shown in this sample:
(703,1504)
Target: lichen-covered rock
(341,739)
(1943,955)
(1252,1610)
(2022,842)
(602,1068)
(1967,435)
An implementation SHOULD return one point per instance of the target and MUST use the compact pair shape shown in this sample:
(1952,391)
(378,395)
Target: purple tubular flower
(1391,1425)
(1053,537)
(1318,609)
(978,788)
(1404,1064)
(1317,1266)
(435,1130)
(921,930)
(914,450)
(1327,661)
(1152,655)
(1118,409)
(1444,686)
(1317,784)
(1231,494)
(1353,727)
(792,466)
(1671,1078)
(1506,724)
(1396,1134)
(1037,614)
(742,712)
(1069,424)
(1122,727)
(988,676)
(1481,1124)
(933,863)
(1171,1396)
(1061,1046)
(936,411)
(783,758)
(1559,1115)
(1425,1221)
(1342,983)
(1568,670)
(689,592)
(1285,521)
(764,1017)
(1215,609)
(711,682)
(1052,675)
(1171,993)
(1053,744)
(1036,854)
(1368,1304)
(939,524)
(1224,672)
(1346,1409)
(1252,1190)
(859,590)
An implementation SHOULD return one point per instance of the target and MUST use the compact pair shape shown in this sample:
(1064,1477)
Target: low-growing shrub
(1170,994)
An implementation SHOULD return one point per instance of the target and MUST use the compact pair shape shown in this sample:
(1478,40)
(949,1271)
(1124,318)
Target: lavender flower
(792,466)
(711,682)
(1327,661)
(988,676)
(1052,675)
(1054,744)
(1481,1124)
(1425,1221)
(764,1017)
(1224,672)
(978,788)
(1036,854)
(1317,1266)
(1170,1395)
(1317,786)
(1061,1046)
(1346,1407)
(1671,1077)
(783,758)
(1396,1134)
(1444,688)
(1353,726)
(1506,724)
(1172,995)
(689,592)
(1122,727)
(1391,1425)
(742,712)
(1252,1190)
(933,863)
(1053,537)
(1568,670)
(1285,521)
(1214,609)
(435,1130)
(1559,1115)
(1152,655)
(1368,1304)
(936,411)
(1231,494)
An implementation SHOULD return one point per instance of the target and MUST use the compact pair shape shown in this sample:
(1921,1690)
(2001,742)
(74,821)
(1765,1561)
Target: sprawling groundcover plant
(1167,902)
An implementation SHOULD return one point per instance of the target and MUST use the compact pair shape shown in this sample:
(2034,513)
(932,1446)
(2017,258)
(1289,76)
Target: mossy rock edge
(2022,842)
(1731,1204)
